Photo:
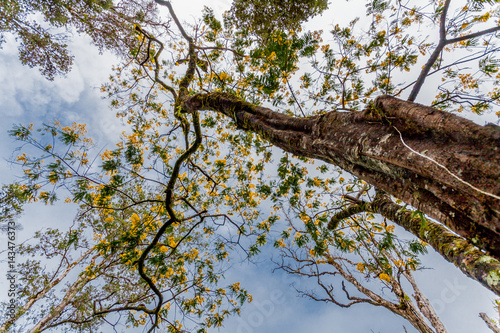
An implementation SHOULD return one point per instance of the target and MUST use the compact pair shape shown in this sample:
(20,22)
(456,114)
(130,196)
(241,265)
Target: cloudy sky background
(26,97)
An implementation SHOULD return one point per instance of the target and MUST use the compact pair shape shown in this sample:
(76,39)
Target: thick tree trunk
(445,166)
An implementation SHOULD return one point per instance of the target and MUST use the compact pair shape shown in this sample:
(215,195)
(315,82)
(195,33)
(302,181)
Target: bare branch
(489,322)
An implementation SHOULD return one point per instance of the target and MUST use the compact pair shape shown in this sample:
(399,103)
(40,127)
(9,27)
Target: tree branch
(432,59)
(490,323)
(468,258)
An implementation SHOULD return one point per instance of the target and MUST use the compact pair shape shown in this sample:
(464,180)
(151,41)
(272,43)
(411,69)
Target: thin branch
(473,35)
(220,49)
(439,48)
(176,20)
(434,56)
(490,323)
(294,97)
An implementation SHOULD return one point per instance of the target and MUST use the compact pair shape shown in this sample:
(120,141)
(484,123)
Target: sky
(27,97)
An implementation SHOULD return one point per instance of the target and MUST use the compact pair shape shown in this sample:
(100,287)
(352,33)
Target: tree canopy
(225,152)
(44,28)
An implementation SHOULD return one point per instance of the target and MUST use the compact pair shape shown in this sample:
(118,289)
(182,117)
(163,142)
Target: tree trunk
(76,287)
(443,165)
(71,292)
(40,294)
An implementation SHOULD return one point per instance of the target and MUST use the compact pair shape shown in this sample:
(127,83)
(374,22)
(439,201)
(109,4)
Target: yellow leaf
(384,277)
(135,218)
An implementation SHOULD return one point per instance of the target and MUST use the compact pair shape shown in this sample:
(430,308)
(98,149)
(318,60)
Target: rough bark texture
(468,258)
(490,323)
(445,166)
(405,308)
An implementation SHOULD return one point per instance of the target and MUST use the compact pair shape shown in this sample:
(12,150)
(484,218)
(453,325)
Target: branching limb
(424,305)
(174,16)
(156,61)
(434,56)
(40,294)
(346,213)
(443,41)
(148,280)
(471,260)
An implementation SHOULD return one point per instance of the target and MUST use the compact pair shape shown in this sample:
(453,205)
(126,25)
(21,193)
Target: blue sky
(27,97)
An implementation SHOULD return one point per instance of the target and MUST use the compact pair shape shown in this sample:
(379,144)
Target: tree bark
(58,310)
(443,165)
(405,308)
(71,292)
(490,323)
(468,258)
